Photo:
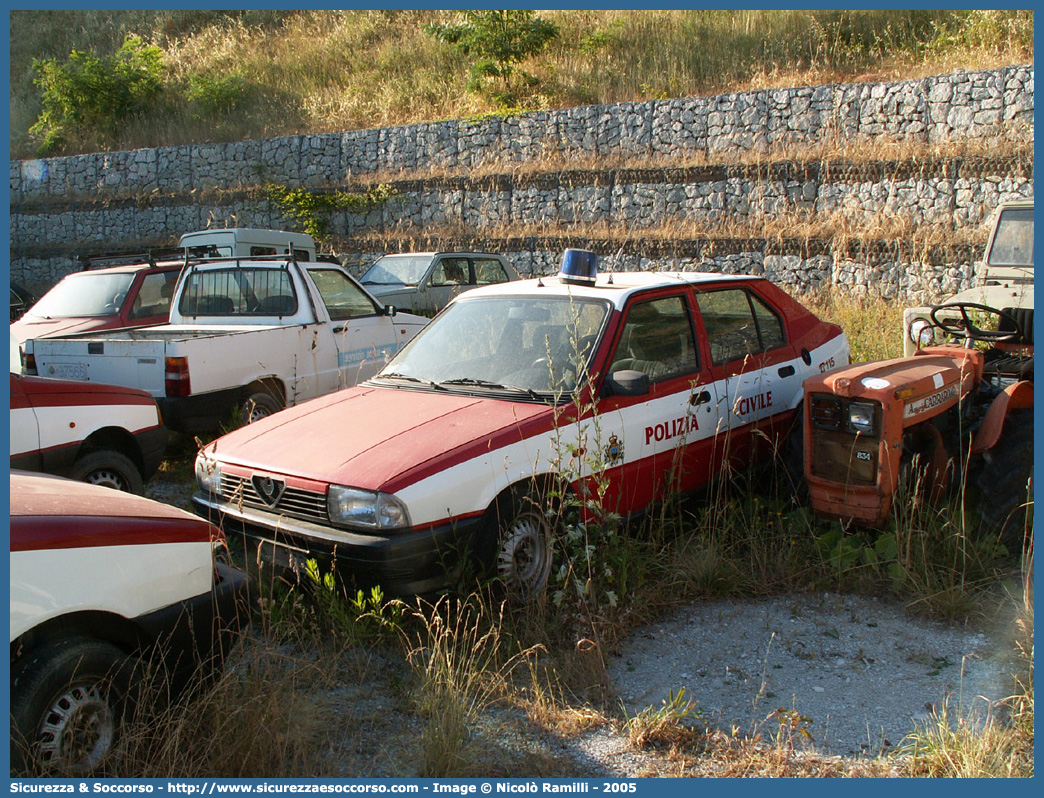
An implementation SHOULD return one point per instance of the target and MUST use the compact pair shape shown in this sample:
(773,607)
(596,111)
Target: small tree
(88,94)
(498,41)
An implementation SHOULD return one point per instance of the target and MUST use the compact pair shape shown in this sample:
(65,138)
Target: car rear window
(238,292)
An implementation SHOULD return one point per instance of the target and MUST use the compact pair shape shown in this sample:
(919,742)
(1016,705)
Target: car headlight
(365,508)
(922,332)
(208,474)
(862,418)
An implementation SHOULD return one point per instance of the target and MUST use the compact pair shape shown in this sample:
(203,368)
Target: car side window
(657,340)
(450,271)
(153,297)
(343,298)
(488,271)
(738,324)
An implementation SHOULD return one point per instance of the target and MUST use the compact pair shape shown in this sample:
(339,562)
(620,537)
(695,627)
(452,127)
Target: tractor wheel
(1005,503)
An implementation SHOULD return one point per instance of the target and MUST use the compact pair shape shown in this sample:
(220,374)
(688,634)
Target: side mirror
(389,310)
(628,383)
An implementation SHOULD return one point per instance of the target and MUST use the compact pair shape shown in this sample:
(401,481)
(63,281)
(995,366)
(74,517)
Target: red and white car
(647,381)
(102,434)
(102,582)
(132,295)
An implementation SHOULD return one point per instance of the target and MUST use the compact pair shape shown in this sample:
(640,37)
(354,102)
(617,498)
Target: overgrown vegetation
(458,666)
(231,75)
(311,209)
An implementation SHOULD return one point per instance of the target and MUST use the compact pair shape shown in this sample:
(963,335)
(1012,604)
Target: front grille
(844,458)
(307,505)
(826,412)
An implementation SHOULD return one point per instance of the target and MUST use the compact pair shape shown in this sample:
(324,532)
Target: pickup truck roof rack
(106,260)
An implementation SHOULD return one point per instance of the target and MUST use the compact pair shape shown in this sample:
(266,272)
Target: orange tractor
(947,414)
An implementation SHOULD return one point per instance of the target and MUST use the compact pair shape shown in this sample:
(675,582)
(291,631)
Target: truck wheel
(109,468)
(1004,502)
(67,701)
(524,543)
(260,404)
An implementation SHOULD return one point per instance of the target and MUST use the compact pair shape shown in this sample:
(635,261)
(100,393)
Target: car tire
(68,700)
(525,541)
(794,459)
(260,404)
(1003,484)
(109,468)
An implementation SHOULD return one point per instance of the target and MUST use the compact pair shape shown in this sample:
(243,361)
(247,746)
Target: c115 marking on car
(934,400)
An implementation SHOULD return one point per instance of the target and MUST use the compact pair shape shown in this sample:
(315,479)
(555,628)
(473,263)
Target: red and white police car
(103,582)
(103,434)
(648,382)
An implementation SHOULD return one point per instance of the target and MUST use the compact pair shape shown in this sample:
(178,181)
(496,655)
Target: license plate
(278,556)
(68,371)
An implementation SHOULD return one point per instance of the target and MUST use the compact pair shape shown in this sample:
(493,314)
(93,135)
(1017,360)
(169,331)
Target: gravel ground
(859,669)
(859,673)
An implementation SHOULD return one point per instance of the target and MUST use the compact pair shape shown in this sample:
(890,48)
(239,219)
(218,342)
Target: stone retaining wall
(126,200)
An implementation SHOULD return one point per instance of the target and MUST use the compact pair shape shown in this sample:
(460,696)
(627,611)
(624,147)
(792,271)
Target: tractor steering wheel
(969,328)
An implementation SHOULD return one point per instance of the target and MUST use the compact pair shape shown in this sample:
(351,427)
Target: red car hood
(31,327)
(366,437)
(56,513)
(53,391)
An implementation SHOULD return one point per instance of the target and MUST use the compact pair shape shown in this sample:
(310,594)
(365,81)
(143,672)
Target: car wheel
(109,468)
(67,702)
(794,458)
(1004,500)
(260,404)
(525,539)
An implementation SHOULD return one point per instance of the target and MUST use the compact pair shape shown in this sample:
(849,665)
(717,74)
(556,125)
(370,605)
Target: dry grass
(321,71)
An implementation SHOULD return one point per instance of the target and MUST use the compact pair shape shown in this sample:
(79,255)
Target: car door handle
(700,398)
(338,330)
(786,371)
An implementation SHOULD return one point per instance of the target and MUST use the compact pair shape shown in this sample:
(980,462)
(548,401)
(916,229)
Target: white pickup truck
(247,336)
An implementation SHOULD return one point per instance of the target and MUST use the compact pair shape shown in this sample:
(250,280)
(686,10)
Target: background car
(131,295)
(102,582)
(103,434)
(21,300)
(425,282)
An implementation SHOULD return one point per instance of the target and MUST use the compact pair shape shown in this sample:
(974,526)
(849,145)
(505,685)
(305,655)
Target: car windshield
(397,270)
(535,346)
(85,294)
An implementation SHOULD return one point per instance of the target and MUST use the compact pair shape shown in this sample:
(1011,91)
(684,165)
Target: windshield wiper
(394,375)
(495,386)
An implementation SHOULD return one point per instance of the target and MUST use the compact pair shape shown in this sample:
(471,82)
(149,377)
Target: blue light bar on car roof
(579,267)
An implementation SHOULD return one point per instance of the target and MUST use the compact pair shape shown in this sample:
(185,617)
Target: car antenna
(618,254)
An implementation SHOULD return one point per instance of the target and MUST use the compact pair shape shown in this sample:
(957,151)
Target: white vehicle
(1005,283)
(256,333)
(105,585)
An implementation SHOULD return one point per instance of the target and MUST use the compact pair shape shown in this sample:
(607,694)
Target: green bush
(498,41)
(215,94)
(88,94)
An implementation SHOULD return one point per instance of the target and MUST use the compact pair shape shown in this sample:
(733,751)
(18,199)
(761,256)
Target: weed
(664,725)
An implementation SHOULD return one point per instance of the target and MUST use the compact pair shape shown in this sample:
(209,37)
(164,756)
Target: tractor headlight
(922,333)
(862,418)
(353,507)
(208,474)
